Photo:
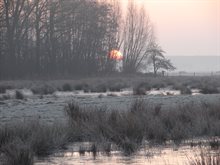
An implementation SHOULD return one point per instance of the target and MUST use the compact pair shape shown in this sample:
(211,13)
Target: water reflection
(154,156)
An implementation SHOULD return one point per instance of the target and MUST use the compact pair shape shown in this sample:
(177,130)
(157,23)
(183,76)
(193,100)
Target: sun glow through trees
(115,55)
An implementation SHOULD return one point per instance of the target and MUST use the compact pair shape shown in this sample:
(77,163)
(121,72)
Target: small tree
(158,59)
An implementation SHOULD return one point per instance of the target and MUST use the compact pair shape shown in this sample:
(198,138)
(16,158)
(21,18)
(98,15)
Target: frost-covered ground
(50,108)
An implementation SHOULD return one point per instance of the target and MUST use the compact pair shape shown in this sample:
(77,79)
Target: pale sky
(186,27)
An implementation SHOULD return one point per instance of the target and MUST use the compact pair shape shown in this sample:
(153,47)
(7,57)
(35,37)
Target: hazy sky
(186,27)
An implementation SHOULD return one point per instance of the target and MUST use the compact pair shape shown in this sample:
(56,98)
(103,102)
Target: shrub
(141,88)
(43,90)
(5,97)
(158,85)
(209,90)
(117,87)
(2,89)
(101,88)
(214,144)
(139,91)
(67,87)
(185,91)
(19,95)
(82,86)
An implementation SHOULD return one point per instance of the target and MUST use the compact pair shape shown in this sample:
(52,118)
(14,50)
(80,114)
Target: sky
(185,27)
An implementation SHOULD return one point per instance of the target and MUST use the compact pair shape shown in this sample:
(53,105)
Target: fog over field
(196,63)
(110,82)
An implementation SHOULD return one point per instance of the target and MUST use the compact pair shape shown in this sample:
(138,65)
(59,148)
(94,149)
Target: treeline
(55,37)
(58,38)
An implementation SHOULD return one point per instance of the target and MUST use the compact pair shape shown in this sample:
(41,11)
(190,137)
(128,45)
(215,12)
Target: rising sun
(115,55)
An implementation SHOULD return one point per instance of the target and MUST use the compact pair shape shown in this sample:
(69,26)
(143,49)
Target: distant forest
(58,38)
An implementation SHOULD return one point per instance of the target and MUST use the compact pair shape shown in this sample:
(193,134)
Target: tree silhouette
(158,59)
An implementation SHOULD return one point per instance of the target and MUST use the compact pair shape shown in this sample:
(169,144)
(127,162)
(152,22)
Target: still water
(160,155)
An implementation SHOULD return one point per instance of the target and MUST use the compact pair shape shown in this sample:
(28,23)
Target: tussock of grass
(17,153)
(141,122)
(20,142)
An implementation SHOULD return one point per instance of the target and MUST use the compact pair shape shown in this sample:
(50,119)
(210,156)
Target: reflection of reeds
(205,159)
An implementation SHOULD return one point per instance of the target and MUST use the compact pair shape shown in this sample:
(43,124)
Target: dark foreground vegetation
(129,130)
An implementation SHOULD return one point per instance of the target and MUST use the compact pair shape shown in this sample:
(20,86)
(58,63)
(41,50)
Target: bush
(81,86)
(67,87)
(3,89)
(43,90)
(209,90)
(117,87)
(139,91)
(141,88)
(19,95)
(158,85)
(4,97)
(101,88)
(185,91)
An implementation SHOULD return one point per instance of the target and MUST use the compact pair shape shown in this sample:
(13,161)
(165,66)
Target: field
(123,114)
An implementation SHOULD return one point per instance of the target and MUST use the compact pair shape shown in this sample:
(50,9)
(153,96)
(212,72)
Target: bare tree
(137,35)
(17,13)
(57,37)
